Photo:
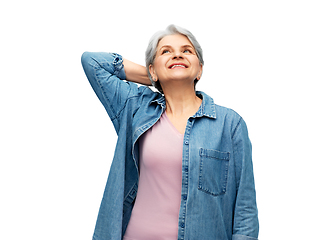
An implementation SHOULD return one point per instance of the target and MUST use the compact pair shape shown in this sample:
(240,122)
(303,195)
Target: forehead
(176,40)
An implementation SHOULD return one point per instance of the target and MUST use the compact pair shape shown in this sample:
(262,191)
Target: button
(186,169)
(186,142)
(185,197)
(182,225)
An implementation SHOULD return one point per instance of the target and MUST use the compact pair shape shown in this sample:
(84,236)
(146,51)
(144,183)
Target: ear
(200,72)
(153,73)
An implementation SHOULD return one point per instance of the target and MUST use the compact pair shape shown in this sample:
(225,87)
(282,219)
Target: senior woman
(182,167)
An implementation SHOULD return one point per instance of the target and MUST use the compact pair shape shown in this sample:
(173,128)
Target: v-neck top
(156,210)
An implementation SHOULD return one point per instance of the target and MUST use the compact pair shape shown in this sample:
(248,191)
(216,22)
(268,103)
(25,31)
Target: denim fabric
(218,194)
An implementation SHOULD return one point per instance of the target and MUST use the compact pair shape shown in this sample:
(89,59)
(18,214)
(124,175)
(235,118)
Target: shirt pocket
(213,171)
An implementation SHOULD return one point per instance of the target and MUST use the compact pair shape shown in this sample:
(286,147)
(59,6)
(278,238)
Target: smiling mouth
(177,66)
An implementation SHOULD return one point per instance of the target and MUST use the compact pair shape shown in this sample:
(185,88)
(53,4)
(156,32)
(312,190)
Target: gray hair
(153,43)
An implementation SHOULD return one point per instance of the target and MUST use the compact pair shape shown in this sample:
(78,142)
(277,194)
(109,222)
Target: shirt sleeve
(105,72)
(246,226)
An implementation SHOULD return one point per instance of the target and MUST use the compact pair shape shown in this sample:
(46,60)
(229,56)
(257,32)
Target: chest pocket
(213,171)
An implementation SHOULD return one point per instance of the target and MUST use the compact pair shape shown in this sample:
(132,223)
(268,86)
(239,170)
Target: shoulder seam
(236,127)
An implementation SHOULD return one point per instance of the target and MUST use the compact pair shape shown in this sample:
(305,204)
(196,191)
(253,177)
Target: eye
(187,51)
(165,51)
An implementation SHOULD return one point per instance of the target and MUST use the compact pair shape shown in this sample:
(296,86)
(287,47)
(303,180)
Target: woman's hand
(136,73)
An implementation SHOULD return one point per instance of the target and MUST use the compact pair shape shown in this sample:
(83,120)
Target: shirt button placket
(184,197)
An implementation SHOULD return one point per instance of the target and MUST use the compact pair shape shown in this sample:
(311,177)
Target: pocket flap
(214,154)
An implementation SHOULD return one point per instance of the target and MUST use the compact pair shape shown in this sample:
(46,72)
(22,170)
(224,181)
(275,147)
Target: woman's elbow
(86,57)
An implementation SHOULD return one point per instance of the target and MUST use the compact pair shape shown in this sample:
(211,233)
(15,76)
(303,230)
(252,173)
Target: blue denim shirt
(218,194)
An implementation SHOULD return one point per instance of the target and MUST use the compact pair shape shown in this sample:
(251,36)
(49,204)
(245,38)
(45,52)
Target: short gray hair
(153,43)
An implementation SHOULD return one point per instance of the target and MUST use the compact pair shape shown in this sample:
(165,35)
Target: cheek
(159,62)
(159,66)
(197,64)
(195,61)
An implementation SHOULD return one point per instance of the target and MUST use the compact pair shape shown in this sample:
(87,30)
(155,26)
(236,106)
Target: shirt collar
(207,107)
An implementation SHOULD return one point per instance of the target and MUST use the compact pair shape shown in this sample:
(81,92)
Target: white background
(57,142)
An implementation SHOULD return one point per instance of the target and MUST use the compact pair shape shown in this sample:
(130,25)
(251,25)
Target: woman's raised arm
(136,73)
(105,72)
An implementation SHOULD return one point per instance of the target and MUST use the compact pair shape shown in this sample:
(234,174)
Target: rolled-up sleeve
(246,225)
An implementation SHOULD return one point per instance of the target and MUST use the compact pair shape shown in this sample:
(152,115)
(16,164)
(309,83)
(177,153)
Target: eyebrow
(184,46)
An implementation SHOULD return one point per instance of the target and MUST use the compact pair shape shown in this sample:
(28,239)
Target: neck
(182,101)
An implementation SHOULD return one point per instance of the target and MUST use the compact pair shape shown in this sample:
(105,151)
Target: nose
(177,55)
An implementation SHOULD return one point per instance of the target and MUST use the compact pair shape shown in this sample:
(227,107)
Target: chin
(180,77)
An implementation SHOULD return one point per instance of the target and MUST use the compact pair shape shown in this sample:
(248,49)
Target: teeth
(177,66)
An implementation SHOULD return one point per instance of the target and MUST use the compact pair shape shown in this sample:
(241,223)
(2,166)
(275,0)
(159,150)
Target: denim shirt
(218,198)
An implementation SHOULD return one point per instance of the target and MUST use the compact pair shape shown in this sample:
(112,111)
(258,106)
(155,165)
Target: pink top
(156,211)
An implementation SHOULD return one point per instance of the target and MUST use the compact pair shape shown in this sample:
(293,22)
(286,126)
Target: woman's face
(176,59)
